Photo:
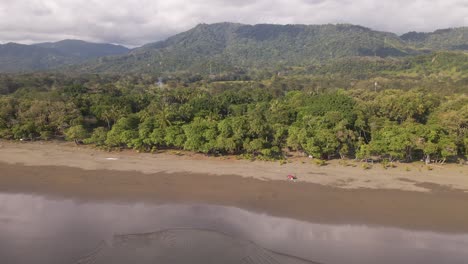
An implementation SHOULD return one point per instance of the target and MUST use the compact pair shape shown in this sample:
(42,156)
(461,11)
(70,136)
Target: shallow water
(38,229)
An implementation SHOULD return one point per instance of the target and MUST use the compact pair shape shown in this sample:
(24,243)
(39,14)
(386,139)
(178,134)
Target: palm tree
(111,115)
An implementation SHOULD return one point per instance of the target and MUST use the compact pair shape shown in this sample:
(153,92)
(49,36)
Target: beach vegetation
(255,120)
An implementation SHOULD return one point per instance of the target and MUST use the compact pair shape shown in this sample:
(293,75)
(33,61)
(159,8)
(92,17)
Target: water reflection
(35,229)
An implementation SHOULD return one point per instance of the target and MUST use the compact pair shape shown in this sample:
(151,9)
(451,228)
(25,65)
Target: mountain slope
(83,49)
(230,47)
(442,39)
(24,58)
(226,46)
(451,64)
(19,58)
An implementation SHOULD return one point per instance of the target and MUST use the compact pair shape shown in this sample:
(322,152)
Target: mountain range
(221,47)
(43,56)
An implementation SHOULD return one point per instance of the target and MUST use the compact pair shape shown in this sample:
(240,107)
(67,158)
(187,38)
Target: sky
(136,22)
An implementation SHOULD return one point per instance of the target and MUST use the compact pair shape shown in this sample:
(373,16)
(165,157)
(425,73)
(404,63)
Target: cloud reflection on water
(58,231)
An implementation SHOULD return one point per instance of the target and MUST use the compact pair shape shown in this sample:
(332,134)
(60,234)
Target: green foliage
(20,58)
(175,137)
(123,133)
(394,141)
(26,130)
(227,51)
(320,162)
(77,132)
(201,135)
(236,52)
(261,120)
(322,104)
(453,38)
(98,137)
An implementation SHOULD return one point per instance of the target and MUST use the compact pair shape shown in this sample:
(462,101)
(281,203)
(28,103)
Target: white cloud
(135,22)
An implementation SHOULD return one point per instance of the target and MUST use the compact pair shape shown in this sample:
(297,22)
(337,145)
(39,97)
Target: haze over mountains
(42,56)
(212,48)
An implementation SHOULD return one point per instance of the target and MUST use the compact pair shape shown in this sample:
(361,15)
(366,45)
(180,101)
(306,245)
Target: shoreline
(83,174)
(407,177)
(442,210)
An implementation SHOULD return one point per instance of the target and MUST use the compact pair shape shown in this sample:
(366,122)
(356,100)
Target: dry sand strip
(444,210)
(409,177)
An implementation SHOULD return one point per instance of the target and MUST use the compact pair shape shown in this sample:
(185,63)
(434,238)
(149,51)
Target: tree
(77,132)
(399,106)
(123,133)
(296,137)
(436,144)
(111,114)
(201,135)
(323,143)
(175,136)
(394,142)
(98,137)
(232,133)
(24,130)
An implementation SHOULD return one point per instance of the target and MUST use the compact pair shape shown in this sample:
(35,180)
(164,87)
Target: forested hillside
(442,39)
(43,56)
(84,50)
(225,47)
(214,49)
(254,119)
(18,58)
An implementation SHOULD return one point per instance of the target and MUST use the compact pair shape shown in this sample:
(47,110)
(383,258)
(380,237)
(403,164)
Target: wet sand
(409,177)
(441,210)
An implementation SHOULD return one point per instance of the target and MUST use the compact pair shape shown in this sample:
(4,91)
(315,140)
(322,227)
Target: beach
(408,196)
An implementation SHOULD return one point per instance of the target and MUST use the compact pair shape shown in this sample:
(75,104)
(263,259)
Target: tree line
(264,120)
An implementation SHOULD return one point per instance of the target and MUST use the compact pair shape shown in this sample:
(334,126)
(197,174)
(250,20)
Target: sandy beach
(408,177)
(409,196)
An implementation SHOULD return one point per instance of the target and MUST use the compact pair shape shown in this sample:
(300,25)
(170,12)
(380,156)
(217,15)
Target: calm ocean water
(39,229)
